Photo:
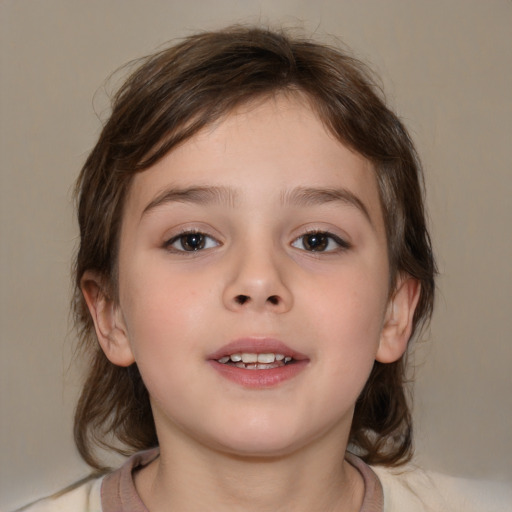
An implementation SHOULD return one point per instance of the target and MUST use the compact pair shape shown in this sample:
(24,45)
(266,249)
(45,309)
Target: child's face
(290,258)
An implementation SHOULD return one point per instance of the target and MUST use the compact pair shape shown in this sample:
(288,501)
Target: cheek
(349,304)
(161,310)
(172,318)
(164,326)
(346,319)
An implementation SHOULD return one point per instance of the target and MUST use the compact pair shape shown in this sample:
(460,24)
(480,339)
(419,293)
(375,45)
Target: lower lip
(259,379)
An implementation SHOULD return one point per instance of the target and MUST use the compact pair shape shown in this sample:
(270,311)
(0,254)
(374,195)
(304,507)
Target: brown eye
(320,241)
(315,242)
(190,242)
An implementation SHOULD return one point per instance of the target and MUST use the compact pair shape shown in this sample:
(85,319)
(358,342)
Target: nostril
(244,299)
(241,299)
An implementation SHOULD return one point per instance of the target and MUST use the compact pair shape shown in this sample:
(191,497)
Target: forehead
(266,148)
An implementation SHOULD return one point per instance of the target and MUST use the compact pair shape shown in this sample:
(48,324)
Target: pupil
(316,242)
(193,241)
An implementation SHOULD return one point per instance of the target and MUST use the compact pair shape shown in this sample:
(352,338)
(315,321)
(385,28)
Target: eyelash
(181,238)
(325,237)
(204,241)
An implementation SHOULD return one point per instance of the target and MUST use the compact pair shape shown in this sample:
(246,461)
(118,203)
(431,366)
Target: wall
(446,68)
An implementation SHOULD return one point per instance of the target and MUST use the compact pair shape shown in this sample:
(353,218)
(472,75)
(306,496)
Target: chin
(268,449)
(261,439)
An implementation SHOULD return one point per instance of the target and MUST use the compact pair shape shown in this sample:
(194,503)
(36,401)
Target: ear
(398,322)
(108,320)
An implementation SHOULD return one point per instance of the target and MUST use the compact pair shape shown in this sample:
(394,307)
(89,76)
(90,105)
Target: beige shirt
(406,489)
(118,491)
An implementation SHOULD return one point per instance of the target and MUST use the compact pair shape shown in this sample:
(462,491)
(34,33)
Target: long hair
(170,97)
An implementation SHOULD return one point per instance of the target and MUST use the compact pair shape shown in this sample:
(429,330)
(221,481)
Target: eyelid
(193,226)
(342,243)
(169,242)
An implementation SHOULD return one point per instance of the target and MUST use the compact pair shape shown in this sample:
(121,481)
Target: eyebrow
(311,196)
(194,195)
(300,196)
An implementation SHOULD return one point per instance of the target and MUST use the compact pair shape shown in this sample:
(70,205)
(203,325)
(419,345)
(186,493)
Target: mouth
(254,361)
(258,362)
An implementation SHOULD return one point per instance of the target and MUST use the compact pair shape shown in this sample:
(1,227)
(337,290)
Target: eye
(191,241)
(320,241)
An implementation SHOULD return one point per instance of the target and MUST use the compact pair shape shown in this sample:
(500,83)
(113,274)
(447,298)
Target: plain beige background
(447,69)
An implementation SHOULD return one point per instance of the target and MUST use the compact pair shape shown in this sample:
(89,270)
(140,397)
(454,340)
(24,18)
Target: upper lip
(257,345)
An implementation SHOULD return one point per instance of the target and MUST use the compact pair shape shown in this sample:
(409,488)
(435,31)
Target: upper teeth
(247,357)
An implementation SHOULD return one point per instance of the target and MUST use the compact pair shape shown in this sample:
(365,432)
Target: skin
(271,448)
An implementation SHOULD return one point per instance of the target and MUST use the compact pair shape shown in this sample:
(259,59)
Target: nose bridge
(257,278)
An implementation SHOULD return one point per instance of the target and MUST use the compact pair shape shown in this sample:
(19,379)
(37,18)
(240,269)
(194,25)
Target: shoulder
(412,488)
(85,496)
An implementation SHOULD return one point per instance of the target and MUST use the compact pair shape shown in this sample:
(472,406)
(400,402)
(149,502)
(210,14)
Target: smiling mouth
(258,362)
(253,361)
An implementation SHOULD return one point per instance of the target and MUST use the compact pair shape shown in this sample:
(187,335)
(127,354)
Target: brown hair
(169,98)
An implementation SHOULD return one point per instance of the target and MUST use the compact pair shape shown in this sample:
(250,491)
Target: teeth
(266,358)
(254,361)
(260,366)
(249,358)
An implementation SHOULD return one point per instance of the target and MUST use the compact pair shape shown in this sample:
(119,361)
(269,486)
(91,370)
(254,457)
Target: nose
(257,282)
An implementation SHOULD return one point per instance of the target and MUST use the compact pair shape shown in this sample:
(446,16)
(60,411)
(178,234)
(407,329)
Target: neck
(190,478)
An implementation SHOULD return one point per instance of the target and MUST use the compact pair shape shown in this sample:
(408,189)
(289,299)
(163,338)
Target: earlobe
(398,322)
(107,318)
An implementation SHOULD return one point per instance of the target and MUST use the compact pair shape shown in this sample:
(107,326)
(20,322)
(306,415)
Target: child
(253,262)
